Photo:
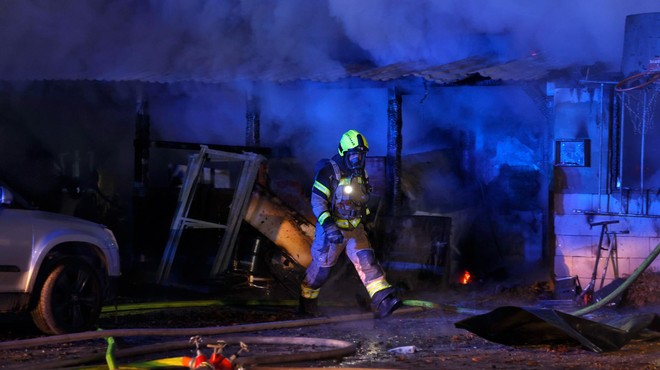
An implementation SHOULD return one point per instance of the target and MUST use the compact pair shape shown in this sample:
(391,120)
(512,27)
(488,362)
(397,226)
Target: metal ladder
(587,295)
(237,208)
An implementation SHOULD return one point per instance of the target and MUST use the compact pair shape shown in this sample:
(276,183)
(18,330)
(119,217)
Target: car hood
(65,220)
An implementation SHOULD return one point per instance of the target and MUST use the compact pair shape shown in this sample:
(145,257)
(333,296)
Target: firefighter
(339,201)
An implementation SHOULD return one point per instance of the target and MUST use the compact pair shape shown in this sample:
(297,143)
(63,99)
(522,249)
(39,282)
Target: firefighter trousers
(325,256)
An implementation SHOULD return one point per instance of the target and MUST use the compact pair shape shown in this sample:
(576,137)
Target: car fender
(65,230)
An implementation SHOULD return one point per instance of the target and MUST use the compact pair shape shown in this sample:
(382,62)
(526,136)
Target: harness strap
(348,224)
(335,167)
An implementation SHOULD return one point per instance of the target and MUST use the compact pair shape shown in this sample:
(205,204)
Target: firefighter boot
(384,303)
(308,307)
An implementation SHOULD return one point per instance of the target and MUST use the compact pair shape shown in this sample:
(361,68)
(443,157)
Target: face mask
(355,160)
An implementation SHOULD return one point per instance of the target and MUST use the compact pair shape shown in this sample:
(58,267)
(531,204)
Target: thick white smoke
(220,41)
(566,31)
(216,40)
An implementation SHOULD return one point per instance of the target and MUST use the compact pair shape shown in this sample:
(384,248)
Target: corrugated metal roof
(392,71)
(455,71)
(525,69)
(484,68)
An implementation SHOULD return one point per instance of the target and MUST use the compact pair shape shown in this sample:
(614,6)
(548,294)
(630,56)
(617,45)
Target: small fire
(466,277)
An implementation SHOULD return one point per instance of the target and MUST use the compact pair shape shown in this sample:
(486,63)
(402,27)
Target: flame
(466,277)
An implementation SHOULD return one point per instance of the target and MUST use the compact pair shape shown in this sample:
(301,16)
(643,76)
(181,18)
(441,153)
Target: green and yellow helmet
(352,140)
(353,147)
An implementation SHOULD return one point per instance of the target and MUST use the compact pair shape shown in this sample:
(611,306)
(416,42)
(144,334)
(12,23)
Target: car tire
(70,299)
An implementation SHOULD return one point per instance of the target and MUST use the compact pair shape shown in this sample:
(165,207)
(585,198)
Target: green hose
(127,307)
(444,307)
(110,354)
(623,286)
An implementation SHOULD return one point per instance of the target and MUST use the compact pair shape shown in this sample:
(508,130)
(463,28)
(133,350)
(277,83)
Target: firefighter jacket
(339,195)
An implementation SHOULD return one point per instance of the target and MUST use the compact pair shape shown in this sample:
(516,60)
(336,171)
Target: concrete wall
(577,242)
(583,195)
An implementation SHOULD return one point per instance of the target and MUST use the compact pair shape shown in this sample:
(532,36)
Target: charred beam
(253,123)
(141,144)
(394,143)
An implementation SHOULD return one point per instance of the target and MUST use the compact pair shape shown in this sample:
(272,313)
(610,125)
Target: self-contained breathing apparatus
(349,201)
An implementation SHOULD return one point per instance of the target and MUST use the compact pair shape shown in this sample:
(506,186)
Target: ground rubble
(415,338)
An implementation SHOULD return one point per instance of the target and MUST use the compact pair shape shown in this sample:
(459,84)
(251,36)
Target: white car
(60,268)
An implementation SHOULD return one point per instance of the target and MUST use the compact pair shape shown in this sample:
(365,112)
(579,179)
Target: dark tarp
(518,326)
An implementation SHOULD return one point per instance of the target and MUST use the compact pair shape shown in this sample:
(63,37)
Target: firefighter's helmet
(353,147)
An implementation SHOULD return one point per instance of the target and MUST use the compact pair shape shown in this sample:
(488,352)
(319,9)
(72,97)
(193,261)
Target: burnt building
(494,162)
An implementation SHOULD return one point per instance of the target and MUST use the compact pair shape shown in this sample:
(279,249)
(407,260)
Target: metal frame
(238,206)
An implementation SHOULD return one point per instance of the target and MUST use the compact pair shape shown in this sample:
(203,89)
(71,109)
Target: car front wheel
(70,300)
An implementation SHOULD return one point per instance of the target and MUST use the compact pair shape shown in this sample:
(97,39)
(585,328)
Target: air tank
(641,43)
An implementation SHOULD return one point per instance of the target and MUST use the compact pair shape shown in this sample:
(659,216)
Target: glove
(332,234)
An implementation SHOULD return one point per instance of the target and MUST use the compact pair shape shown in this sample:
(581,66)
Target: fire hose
(341,346)
(338,348)
(214,330)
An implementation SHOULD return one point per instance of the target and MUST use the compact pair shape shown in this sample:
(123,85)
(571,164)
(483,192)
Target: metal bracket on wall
(237,208)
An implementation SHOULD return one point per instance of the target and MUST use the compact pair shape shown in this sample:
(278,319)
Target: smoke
(565,31)
(241,42)
(219,40)
(163,40)
(288,40)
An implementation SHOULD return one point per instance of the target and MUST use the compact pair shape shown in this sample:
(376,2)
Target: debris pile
(645,291)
